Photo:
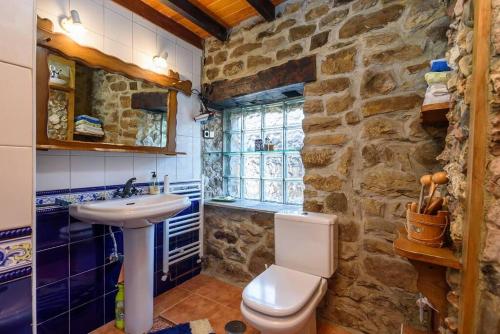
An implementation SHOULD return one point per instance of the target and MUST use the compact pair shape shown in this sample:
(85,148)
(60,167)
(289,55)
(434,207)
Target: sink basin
(132,212)
(137,215)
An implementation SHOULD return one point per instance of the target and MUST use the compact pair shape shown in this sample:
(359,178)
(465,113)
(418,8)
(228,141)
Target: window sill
(243,204)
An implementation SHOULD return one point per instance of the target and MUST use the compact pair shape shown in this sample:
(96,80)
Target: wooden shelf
(60,87)
(407,329)
(435,114)
(88,134)
(414,251)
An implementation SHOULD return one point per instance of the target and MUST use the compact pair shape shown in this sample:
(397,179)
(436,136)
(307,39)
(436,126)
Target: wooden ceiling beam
(198,17)
(152,15)
(265,8)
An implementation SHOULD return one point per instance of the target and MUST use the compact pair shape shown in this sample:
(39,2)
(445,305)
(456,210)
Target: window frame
(284,153)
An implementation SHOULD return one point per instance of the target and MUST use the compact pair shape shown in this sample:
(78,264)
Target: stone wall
(238,243)
(489,306)
(107,96)
(364,147)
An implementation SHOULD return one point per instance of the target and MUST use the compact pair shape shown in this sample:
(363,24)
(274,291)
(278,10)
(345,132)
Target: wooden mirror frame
(49,42)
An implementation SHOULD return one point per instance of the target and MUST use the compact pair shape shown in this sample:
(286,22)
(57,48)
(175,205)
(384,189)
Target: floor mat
(162,326)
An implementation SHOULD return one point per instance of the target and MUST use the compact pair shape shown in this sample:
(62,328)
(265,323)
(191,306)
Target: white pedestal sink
(136,215)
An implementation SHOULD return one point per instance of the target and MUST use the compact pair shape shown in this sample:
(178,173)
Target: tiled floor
(204,297)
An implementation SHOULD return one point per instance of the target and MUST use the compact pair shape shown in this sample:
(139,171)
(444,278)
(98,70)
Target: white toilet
(283,299)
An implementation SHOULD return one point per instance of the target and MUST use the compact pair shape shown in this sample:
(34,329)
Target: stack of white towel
(437,78)
(88,125)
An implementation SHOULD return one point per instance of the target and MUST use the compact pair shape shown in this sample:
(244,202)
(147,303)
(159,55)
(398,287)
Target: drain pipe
(166,241)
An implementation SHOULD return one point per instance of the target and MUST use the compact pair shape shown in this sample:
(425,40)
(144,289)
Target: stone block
(339,62)
(325,183)
(327,86)
(391,104)
(362,23)
(300,32)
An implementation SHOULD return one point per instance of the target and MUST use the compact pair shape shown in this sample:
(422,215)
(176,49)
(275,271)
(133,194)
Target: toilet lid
(280,291)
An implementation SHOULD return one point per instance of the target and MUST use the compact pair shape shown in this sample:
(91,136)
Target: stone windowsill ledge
(243,204)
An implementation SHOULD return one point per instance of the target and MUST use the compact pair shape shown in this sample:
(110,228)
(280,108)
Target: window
(272,175)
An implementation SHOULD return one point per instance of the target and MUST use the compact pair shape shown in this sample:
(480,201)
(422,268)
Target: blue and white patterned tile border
(15,253)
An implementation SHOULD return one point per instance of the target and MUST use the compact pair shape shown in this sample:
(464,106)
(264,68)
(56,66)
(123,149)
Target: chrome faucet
(128,189)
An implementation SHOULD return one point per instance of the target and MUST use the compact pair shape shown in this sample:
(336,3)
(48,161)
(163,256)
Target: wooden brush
(438,179)
(425,180)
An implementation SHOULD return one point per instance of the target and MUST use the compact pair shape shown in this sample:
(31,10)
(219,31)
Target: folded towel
(432,99)
(89,130)
(88,118)
(437,90)
(85,122)
(437,77)
(440,65)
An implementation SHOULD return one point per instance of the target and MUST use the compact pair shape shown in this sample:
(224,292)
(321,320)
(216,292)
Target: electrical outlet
(208,134)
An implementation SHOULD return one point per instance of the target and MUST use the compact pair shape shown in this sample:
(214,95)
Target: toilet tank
(306,242)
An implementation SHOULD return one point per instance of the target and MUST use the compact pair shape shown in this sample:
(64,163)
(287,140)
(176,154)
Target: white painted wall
(118,32)
(16,113)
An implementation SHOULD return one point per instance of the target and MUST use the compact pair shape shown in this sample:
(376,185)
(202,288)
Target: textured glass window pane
(233,120)
(233,187)
(251,165)
(251,189)
(249,140)
(252,119)
(294,139)
(232,142)
(273,191)
(273,166)
(232,165)
(294,166)
(273,116)
(295,113)
(295,192)
(276,138)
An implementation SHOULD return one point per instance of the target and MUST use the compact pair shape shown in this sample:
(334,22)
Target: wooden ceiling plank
(154,16)
(265,8)
(198,17)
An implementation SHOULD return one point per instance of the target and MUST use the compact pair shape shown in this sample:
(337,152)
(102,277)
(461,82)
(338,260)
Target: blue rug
(193,327)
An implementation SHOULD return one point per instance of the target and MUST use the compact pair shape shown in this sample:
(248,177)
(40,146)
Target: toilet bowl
(282,300)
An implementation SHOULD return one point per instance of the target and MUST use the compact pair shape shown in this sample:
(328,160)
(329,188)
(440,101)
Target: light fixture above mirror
(73,25)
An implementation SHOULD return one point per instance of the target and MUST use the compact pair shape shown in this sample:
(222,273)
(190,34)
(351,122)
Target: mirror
(87,100)
(94,105)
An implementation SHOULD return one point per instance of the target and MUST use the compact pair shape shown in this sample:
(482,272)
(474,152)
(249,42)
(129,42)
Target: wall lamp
(72,24)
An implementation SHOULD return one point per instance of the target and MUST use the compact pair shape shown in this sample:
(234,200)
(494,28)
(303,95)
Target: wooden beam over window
(265,8)
(152,15)
(198,17)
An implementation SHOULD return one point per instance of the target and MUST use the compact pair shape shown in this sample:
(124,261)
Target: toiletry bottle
(154,189)
(120,307)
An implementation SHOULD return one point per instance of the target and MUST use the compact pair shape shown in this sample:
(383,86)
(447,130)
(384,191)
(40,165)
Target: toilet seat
(261,316)
(280,291)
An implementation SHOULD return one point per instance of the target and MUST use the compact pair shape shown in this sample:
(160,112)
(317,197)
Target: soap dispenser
(154,189)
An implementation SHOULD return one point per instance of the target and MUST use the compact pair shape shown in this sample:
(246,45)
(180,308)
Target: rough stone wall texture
(107,96)
(364,147)
(212,158)
(57,109)
(489,307)
(238,243)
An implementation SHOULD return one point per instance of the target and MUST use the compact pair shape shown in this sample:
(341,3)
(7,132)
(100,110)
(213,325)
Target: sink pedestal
(139,271)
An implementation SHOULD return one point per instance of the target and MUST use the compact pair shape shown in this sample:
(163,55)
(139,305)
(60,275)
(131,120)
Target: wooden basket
(427,229)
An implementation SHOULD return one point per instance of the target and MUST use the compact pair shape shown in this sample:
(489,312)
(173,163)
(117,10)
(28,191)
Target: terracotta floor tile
(327,328)
(196,282)
(108,328)
(193,307)
(221,292)
(169,299)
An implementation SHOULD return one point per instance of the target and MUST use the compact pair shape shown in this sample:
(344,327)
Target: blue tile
(57,325)
(81,231)
(15,306)
(109,245)
(87,317)
(111,273)
(86,255)
(162,286)
(52,300)
(158,259)
(159,234)
(52,229)
(86,287)
(195,206)
(52,265)
(109,306)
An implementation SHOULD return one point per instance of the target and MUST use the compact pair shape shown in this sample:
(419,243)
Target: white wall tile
(184,115)
(184,168)
(196,66)
(110,4)
(55,7)
(185,145)
(91,39)
(118,50)
(16,111)
(91,14)
(87,171)
(142,21)
(142,59)
(143,39)
(184,60)
(196,157)
(167,166)
(117,27)
(16,25)
(166,48)
(53,172)
(16,167)
(143,166)
(118,169)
